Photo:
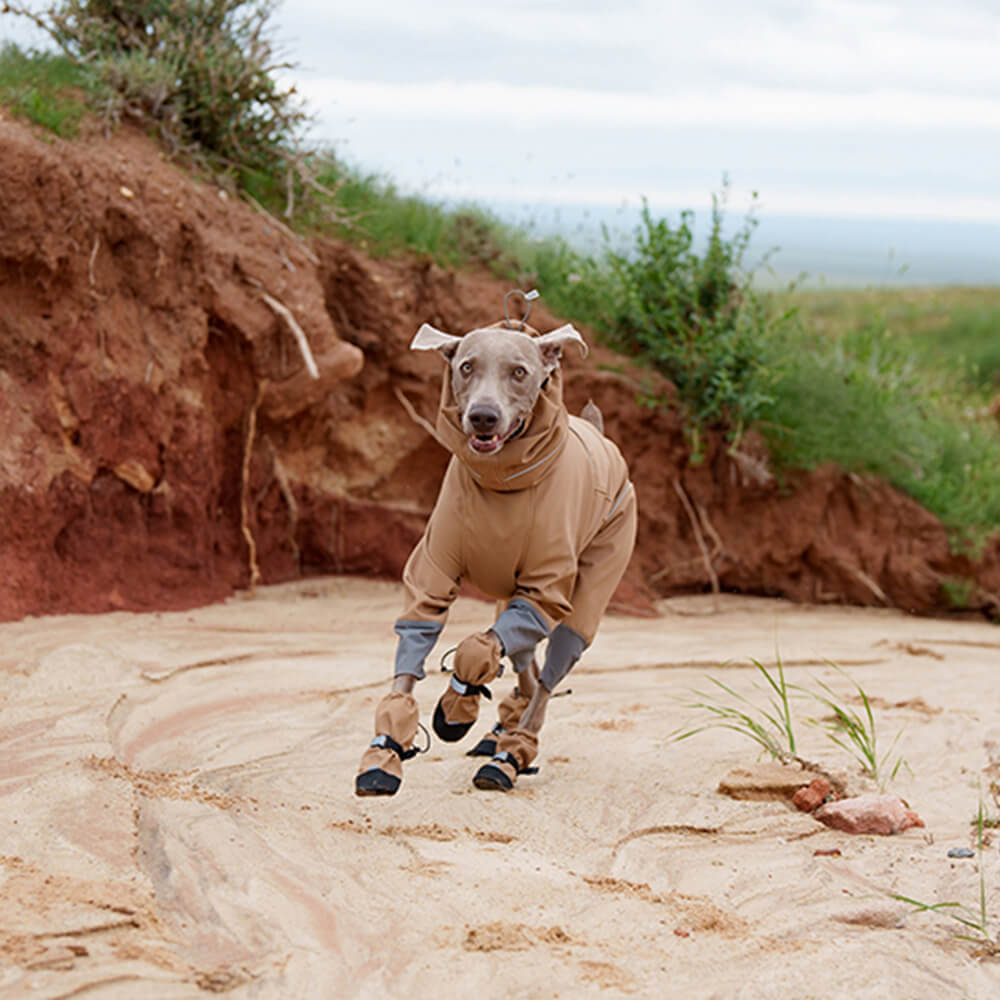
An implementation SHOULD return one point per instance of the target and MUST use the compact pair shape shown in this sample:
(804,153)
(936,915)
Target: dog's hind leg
(517,743)
(509,711)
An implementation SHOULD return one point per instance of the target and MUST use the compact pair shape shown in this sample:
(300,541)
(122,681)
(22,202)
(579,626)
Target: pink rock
(812,796)
(881,814)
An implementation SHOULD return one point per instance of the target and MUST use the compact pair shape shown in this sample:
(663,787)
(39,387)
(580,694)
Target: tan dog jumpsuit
(547,525)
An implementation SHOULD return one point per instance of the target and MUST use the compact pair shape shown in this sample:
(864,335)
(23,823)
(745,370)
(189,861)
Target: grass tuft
(974,918)
(47,89)
(857,734)
(770,728)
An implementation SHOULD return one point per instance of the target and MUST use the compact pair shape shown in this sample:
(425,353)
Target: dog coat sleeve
(416,640)
(430,591)
(520,627)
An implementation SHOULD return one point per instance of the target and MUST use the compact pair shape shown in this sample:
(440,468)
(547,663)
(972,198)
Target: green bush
(693,317)
(202,70)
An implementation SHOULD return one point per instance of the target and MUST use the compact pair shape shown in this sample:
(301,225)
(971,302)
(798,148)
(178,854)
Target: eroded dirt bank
(177,816)
(137,349)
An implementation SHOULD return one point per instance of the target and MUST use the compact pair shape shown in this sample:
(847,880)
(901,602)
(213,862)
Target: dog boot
(381,771)
(509,713)
(516,750)
(477,662)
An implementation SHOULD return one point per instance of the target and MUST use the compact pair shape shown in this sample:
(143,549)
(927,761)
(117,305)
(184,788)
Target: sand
(177,813)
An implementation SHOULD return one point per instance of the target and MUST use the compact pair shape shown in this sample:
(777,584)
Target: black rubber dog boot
(491,778)
(376,782)
(450,732)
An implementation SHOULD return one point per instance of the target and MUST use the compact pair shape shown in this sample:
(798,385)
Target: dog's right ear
(430,339)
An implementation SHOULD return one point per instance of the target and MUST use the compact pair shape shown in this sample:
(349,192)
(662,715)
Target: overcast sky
(823,106)
(884,109)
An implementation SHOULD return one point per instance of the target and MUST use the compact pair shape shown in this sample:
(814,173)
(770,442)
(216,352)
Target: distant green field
(957,328)
(898,384)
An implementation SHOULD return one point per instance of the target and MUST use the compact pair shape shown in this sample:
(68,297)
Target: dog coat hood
(523,460)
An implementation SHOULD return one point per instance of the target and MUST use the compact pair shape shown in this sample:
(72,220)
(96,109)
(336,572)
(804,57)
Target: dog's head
(496,376)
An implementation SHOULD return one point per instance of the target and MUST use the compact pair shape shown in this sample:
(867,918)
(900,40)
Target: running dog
(536,510)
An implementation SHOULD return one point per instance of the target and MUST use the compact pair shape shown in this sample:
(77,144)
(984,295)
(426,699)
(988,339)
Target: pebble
(961,852)
(813,795)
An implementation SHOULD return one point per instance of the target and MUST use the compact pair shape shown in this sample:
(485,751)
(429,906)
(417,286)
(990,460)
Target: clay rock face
(878,814)
(135,341)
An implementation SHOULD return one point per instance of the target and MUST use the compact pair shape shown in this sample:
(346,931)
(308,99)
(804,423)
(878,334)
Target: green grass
(876,400)
(769,727)
(370,211)
(857,733)
(49,90)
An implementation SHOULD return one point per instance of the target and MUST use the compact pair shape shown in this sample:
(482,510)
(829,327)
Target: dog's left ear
(429,338)
(551,345)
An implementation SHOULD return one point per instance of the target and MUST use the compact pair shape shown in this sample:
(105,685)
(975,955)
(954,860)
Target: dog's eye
(520,372)
(465,367)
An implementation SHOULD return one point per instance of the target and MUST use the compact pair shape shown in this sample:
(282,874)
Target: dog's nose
(484,419)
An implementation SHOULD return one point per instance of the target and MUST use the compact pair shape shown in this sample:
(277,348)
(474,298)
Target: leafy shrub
(694,317)
(201,69)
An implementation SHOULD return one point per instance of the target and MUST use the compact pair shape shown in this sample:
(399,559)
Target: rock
(961,852)
(881,814)
(770,781)
(813,795)
(136,475)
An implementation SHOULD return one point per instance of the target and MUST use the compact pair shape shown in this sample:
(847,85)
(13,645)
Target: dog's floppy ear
(430,339)
(551,344)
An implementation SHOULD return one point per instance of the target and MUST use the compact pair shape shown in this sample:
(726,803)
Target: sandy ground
(177,814)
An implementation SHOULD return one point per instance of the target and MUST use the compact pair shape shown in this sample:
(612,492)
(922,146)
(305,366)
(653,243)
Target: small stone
(126,192)
(961,852)
(812,796)
(765,782)
(879,814)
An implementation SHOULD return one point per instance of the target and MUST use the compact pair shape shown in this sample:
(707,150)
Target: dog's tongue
(485,445)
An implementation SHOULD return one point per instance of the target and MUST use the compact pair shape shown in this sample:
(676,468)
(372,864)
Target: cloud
(458,101)
(659,48)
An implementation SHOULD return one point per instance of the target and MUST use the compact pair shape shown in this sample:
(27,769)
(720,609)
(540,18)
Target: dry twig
(300,338)
(415,417)
(245,489)
(693,518)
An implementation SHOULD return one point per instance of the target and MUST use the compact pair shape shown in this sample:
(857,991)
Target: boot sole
(491,779)
(450,732)
(376,782)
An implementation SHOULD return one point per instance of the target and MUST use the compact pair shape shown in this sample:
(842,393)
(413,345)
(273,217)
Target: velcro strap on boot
(505,757)
(386,742)
(460,687)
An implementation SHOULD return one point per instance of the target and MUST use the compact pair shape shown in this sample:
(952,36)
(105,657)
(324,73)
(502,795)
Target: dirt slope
(137,352)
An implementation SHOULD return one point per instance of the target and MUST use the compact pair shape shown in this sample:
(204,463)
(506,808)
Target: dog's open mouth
(487,444)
